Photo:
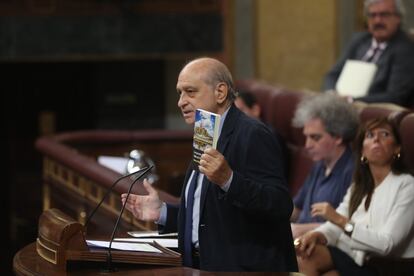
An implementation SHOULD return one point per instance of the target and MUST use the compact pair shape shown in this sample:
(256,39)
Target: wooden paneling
(75,183)
(73,29)
(296,41)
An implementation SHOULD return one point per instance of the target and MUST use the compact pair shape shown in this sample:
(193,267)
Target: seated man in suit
(247,102)
(329,124)
(235,206)
(387,45)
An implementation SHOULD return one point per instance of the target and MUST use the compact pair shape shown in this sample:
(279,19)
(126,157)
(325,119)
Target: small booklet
(206,132)
(356,78)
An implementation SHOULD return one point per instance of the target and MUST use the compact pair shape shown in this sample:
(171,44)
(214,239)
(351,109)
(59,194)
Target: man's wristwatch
(349,228)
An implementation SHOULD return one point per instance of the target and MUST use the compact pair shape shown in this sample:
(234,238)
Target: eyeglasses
(385,15)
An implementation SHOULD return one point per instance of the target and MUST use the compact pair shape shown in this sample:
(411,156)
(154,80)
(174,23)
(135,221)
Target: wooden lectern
(62,239)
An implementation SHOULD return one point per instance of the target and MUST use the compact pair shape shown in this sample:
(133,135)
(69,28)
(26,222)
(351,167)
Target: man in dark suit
(247,103)
(387,45)
(241,211)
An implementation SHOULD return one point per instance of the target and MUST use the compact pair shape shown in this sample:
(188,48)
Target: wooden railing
(75,182)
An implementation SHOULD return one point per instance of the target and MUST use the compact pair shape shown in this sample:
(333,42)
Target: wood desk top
(28,262)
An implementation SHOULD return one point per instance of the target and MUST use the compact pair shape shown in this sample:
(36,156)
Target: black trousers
(196,258)
(345,265)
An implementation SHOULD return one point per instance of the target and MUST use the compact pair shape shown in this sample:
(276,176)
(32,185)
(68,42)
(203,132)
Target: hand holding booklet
(206,132)
(356,78)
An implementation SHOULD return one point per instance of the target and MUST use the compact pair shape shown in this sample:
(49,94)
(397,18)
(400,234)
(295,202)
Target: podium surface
(28,262)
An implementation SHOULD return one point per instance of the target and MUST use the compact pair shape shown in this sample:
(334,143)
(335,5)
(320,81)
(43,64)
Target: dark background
(85,65)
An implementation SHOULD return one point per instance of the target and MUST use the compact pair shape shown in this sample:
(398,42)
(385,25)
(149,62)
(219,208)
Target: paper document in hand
(356,78)
(127,246)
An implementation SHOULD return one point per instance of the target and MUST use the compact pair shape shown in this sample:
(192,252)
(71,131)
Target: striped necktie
(374,52)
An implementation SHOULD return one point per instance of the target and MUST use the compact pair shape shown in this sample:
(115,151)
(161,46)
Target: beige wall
(296,41)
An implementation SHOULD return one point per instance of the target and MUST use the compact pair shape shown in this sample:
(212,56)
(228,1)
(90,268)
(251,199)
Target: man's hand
(215,167)
(144,207)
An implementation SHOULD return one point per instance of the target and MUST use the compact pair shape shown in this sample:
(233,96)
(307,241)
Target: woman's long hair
(363,180)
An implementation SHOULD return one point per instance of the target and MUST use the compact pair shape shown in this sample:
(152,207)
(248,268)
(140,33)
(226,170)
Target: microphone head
(138,160)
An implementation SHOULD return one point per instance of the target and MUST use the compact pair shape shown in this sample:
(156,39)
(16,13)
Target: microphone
(109,256)
(109,190)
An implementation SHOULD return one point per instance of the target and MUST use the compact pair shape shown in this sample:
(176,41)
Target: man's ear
(338,140)
(221,92)
(256,110)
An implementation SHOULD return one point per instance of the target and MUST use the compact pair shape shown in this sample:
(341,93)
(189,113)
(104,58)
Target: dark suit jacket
(247,228)
(393,81)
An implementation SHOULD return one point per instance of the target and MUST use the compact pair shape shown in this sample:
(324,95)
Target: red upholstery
(407,137)
(299,167)
(261,90)
(402,117)
(279,105)
(281,111)
(394,112)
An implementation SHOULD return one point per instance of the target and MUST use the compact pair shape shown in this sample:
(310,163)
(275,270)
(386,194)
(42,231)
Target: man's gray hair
(220,73)
(339,117)
(216,73)
(399,6)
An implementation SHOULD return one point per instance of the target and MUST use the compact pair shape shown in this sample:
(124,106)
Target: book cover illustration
(206,132)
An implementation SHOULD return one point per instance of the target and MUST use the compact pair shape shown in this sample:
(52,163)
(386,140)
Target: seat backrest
(299,167)
(402,117)
(373,110)
(261,90)
(283,107)
(407,137)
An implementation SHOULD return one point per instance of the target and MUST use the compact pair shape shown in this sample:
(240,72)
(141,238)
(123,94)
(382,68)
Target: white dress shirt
(385,229)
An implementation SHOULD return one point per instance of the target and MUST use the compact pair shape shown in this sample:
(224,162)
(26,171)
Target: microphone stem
(109,255)
(106,195)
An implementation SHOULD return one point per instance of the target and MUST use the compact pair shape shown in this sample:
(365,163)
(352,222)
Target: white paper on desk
(127,246)
(356,78)
(170,243)
(115,163)
(150,234)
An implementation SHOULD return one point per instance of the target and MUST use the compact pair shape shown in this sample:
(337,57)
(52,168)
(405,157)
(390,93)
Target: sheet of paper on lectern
(171,243)
(356,78)
(128,246)
(151,234)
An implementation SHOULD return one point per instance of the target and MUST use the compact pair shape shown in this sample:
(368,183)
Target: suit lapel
(361,51)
